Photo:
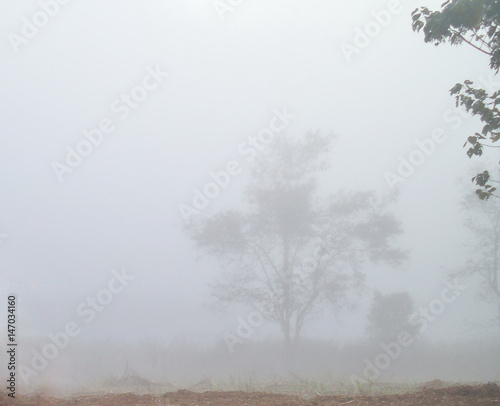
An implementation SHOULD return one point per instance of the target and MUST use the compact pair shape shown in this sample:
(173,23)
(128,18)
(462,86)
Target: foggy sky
(119,208)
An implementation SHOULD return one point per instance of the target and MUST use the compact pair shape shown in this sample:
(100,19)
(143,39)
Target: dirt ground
(483,395)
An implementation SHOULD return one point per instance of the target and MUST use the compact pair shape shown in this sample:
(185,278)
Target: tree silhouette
(483,222)
(290,250)
(389,316)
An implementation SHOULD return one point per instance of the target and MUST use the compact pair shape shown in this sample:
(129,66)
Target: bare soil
(483,395)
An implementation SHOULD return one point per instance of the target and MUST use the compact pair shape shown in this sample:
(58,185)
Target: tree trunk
(286,291)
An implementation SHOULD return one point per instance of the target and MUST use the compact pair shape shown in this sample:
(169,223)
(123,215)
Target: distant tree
(476,23)
(289,251)
(483,222)
(389,316)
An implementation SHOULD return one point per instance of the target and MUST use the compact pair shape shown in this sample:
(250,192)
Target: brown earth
(483,395)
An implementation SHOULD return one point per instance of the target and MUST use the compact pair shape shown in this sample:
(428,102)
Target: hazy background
(119,208)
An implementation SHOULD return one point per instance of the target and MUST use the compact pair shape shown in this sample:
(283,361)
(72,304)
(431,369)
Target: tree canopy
(290,249)
(476,23)
(389,316)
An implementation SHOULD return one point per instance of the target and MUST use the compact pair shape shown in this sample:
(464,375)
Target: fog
(159,97)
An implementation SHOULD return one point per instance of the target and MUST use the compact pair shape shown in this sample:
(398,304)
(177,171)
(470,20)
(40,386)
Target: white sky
(119,207)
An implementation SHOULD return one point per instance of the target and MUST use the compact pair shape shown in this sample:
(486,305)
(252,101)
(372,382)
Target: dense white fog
(161,215)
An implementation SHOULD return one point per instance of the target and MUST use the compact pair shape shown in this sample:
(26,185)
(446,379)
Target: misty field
(261,202)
